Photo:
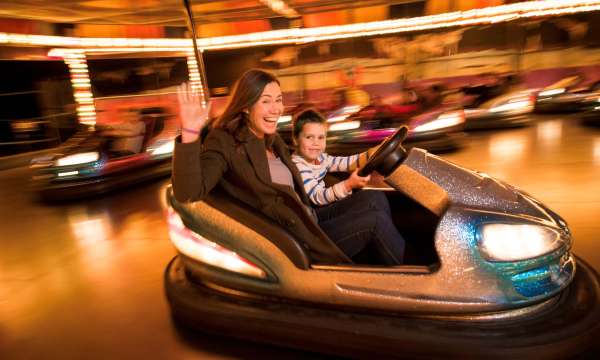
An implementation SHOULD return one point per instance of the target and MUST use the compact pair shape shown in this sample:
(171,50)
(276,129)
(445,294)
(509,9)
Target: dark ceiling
(167,12)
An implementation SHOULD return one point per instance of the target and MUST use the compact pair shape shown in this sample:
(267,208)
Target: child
(309,133)
(353,220)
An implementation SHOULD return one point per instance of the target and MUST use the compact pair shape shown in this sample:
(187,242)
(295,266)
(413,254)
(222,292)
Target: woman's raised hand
(194,116)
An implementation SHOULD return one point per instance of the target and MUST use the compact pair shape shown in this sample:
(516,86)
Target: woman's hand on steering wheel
(194,115)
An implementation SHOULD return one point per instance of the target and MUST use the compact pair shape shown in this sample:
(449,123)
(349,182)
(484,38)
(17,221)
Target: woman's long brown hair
(246,92)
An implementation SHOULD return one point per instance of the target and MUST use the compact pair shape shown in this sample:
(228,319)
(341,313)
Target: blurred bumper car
(513,109)
(501,280)
(353,129)
(107,157)
(566,95)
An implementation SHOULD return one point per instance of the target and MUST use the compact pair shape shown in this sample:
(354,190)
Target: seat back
(154,118)
(149,131)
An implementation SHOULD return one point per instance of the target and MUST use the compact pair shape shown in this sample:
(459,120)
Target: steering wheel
(388,156)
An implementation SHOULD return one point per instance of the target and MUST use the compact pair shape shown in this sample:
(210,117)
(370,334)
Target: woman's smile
(265,113)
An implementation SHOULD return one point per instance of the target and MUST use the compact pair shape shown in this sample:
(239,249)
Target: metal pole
(199,61)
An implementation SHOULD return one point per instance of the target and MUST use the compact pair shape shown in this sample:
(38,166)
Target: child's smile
(312,141)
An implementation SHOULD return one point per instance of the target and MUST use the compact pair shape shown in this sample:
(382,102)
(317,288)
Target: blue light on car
(68,173)
(533,260)
(543,280)
(534,282)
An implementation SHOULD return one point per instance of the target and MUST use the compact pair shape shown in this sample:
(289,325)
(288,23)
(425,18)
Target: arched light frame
(487,15)
(195,79)
(80,81)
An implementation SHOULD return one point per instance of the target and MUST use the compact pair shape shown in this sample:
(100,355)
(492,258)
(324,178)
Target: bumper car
(513,109)
(353,129)
(496,101)
(493,275)
(566,95)
(100,159)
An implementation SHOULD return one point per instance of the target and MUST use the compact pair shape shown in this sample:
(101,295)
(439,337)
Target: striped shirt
(313,175)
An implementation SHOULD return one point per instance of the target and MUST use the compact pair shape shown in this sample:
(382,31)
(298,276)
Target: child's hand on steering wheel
(355,181)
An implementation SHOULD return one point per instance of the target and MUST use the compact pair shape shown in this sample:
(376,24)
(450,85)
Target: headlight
(348,125)
(509,242)
(516,104)
(551,92)
(443,121)
(75,159)
(342,114)
(166,148)
(284,119)
(201,249)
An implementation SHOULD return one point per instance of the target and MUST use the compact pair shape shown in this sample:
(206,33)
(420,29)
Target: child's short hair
(305,116)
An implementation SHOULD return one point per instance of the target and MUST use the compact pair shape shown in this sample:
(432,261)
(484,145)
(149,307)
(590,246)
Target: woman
(243,154)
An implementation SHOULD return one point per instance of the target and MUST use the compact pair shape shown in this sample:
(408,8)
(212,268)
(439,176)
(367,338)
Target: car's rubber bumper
(566,328)
(557,106)
(78,188)
(590,118)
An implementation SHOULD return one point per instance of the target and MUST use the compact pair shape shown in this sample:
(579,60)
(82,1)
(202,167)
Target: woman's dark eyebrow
(269,95)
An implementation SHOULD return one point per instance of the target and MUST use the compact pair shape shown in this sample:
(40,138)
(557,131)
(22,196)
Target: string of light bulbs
(488,15)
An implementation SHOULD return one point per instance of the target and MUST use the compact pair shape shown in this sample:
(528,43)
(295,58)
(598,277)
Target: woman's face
(266,111)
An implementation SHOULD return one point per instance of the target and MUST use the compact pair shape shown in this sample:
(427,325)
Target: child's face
(311,141)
